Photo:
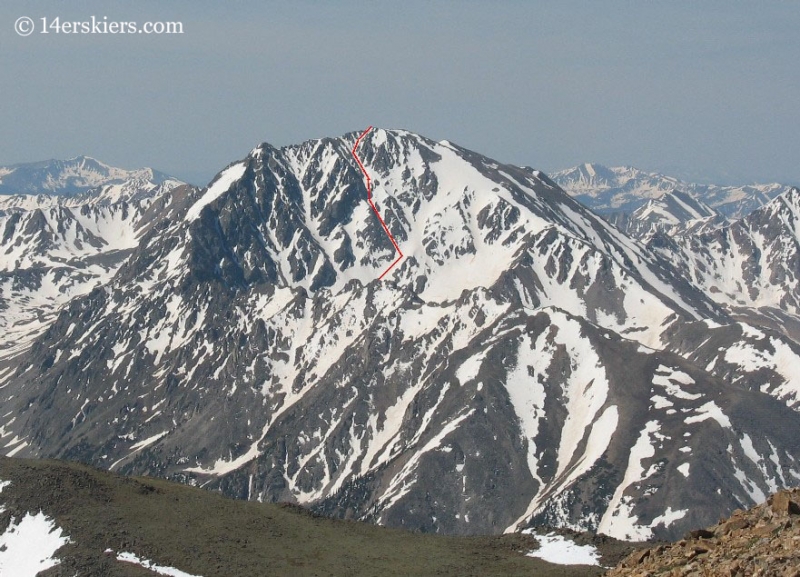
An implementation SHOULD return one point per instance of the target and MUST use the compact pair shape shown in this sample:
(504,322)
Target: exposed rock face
(762,541)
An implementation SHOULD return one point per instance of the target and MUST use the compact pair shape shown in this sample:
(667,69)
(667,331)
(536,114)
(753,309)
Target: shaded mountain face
(623,189)
(525,363)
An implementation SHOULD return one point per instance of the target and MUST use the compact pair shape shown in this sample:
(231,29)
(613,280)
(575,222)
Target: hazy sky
(700,89)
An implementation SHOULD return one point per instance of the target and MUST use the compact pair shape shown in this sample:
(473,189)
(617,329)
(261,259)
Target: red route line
(372,204)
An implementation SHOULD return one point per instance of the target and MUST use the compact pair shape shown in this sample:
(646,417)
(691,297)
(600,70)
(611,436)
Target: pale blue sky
(705,89)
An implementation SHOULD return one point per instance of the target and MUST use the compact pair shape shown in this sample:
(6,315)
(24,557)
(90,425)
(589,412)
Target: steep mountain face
(70,177)
(623,189)
(524,363)
(55,248)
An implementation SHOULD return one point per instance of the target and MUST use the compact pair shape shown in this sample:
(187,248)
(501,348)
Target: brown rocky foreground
(763,541)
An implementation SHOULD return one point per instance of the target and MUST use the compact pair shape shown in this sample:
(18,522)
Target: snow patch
(669,517)
(618,520)
(160,569)
(709,411)
(28,546)
(556,549)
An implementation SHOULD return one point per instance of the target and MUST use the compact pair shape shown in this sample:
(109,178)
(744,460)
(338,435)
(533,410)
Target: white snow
(385,437)
(660,402)
(585,392)
(710,410)
(17,449)
(28,545)
(783,361)
(671,382)
(747,483)
(749,449)
(752,454)
(469,369)
(147,564)
(683,469)
(135,448)
(527,393)
(618,521)
(219,187)
(149,441)
(556,549)
(669,517)
(400,483)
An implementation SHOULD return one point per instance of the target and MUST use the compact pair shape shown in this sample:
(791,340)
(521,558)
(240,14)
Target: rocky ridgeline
(764,541)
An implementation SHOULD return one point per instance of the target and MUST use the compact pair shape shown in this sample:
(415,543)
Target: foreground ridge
(110,524)
(761,541)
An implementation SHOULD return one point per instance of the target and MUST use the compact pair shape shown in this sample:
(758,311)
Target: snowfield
(561,551)
(28,546)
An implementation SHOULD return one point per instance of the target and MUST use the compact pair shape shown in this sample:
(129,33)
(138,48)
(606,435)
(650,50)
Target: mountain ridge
(119,526)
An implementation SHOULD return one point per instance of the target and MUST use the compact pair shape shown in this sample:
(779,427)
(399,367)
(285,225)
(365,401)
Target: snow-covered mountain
(524,363)
(624,189)
(751,265)
(55,247)
(70,177)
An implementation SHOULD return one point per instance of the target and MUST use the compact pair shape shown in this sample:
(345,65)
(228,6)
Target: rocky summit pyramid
(525,363)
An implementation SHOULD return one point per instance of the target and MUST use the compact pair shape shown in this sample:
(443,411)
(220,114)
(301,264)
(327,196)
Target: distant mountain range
(527,363)
(70,177)
(623,189)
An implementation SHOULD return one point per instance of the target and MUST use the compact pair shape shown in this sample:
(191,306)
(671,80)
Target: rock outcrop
(764,540)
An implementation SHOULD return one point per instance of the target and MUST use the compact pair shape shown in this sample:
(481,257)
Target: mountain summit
(525,363)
